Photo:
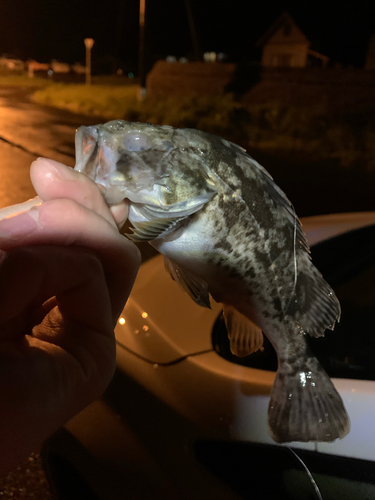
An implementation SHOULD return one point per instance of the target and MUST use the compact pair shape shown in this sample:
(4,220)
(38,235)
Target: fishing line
(312,480)
(295,259)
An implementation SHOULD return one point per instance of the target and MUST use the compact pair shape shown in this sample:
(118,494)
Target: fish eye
(136,141)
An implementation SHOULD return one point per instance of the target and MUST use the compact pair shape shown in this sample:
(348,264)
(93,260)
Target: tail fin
(305,406)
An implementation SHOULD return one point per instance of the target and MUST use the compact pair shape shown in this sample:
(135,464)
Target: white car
(185,419)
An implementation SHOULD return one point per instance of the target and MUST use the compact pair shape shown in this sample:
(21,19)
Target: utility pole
(141,56)
(89,42)
(193,31)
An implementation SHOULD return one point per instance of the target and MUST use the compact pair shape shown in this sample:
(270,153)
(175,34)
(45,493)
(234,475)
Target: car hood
(162,325)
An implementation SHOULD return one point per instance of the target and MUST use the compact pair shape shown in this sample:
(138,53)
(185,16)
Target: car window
(347,262)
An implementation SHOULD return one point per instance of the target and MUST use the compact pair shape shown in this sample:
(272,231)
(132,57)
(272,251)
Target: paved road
(15,185)
(29,130)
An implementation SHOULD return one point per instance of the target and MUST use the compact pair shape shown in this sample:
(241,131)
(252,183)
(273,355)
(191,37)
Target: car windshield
(347,262)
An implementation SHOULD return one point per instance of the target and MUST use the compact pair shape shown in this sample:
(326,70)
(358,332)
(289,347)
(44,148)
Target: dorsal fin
(307,296)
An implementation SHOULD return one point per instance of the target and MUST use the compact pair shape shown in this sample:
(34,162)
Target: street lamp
(89,42)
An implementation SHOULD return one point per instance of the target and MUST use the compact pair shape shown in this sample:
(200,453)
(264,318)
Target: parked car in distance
(78,68)
(185,419)
(60,67)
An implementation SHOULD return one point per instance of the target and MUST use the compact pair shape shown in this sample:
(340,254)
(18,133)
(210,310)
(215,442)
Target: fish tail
(305,406)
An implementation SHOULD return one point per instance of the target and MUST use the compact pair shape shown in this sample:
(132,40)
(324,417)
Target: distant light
(122,321)
(144,315)
(50,72)
(210,56)
(130,75)
(89,43)
(119,71)
(145,328)
(183,60)
(171,59)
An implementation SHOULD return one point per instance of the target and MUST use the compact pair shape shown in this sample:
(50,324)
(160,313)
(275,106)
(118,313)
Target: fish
(226,230)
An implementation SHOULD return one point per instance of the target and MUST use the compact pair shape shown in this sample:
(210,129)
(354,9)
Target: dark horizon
(46,30)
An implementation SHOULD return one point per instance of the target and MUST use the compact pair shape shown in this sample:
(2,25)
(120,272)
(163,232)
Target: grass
(310,132)
(22,80)
(107,101)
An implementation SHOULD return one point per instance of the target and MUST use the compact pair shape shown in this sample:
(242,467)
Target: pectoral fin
(195,287)
(245,337)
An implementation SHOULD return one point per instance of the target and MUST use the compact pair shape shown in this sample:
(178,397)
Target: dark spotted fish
(226,229)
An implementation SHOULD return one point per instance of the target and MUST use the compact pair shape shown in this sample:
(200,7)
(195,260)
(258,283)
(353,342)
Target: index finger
(65,222)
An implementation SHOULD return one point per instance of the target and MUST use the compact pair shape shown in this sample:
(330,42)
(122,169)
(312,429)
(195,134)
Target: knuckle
(91,260)
(16,255)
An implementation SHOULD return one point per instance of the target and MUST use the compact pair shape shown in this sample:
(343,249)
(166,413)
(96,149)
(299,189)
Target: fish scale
(227,230)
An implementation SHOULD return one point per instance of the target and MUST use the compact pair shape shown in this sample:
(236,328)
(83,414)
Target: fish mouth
(87,150)
(88,141)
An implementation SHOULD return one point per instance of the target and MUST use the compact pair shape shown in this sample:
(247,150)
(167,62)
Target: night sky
(49,29)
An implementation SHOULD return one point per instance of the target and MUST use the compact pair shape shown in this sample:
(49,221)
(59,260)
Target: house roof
(282,22)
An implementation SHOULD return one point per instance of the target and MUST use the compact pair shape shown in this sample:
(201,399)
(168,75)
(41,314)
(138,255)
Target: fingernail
(19,224)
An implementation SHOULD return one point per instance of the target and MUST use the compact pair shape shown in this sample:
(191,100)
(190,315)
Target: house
(11,64)
(285,45)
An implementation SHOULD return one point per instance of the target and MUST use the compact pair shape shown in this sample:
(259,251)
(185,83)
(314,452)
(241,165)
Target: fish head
(162,171)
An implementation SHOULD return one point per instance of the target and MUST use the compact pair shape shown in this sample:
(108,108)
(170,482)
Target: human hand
(65,276)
